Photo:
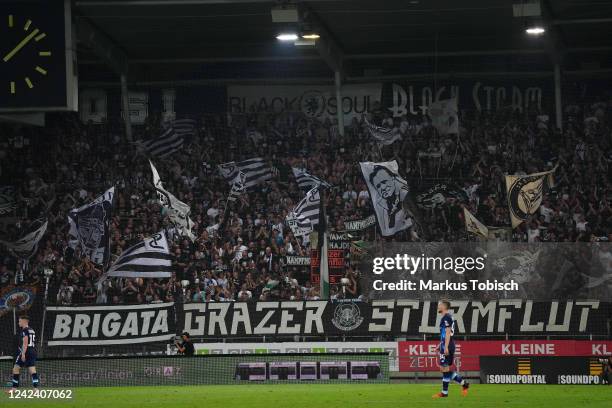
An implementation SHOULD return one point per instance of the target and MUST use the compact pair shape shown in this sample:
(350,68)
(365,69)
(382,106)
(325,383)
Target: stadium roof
(167,40)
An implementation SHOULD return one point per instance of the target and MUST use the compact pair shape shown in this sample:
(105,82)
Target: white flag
(26,246)
(178,211)
(7,200)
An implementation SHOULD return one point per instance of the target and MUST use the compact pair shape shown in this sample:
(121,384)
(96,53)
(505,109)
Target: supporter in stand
(239,248)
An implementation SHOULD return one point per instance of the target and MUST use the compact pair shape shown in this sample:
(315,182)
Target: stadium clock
(31,40)
(33,69)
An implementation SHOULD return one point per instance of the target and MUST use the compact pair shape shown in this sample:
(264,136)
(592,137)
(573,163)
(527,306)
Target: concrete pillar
(340,114)
(558,99)
(125,105)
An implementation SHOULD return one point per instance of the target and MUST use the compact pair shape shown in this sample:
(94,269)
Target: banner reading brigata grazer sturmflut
(137,324)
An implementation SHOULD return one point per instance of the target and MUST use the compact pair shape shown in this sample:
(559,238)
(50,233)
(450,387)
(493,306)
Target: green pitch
(328,395)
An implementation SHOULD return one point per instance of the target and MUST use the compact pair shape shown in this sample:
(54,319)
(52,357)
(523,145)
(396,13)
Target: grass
(328,395)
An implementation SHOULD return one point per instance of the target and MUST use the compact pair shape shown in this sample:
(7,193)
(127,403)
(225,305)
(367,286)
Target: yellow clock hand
(20,46)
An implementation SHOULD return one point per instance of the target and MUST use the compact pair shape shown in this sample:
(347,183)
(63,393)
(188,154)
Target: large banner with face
(314,101)
(388,190)
(90,227)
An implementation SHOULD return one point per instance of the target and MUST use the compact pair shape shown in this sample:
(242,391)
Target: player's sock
(35,381)
(458,379)
(15,380)
(446,378)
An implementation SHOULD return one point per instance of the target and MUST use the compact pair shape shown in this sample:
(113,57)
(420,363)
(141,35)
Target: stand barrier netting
(210,369)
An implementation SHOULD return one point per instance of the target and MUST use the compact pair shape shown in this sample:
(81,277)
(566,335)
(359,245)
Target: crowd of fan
(241,257)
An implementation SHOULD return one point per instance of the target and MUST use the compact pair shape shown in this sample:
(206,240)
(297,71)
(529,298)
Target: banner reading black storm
(415,97)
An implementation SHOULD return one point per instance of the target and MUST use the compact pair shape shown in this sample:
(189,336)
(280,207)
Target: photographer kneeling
(186,347)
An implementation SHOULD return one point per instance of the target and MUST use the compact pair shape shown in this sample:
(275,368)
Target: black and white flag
(90,227)
(388,190)
(238,187)
(149,258)
(298,231)
(438,196)
(7,199)
(444,117)
(384,136)
(305,216)
(525,193)
(26,246)
(307,181)
(208,168)
(178,212)
(255,170)
(185,127)
(171,140)
(473,225)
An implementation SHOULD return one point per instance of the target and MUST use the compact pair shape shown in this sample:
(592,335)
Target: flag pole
(107,257)
(322,247)
(14,306)
(380,151)
(22,271)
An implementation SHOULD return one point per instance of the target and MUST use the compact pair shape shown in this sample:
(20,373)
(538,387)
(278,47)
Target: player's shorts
(447,360)
(30,360)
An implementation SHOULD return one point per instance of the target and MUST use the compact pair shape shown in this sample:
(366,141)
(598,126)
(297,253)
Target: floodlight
(287,37)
